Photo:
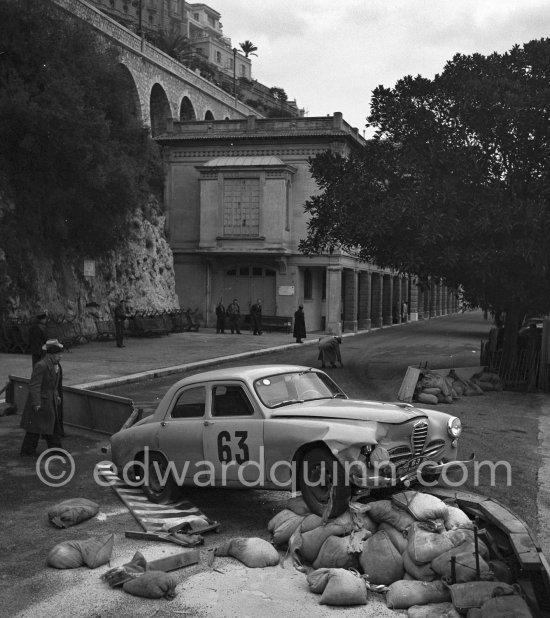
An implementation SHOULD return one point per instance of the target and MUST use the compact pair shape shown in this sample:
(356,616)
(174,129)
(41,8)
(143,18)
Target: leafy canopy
(455,183)
(74,159)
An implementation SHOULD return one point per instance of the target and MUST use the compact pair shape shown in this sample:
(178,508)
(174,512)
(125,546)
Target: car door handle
(207,423)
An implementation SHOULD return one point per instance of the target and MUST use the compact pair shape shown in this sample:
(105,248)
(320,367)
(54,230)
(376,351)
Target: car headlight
(454,427)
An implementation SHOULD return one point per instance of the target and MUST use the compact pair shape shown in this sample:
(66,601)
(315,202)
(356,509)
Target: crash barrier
(270,323)
(82,408)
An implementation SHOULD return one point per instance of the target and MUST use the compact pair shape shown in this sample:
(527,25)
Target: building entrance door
(247,283)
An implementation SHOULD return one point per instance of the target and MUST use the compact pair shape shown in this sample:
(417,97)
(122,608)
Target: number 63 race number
(227,451)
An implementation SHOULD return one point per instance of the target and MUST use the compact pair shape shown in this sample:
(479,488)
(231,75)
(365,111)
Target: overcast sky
(330,55)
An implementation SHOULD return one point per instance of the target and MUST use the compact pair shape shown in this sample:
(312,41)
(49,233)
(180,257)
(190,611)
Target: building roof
(243,161)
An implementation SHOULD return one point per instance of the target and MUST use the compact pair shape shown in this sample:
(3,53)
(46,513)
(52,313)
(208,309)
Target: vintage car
(282,427)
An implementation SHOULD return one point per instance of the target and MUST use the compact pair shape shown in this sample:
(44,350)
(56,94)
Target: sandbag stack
(433,388)
(415,547)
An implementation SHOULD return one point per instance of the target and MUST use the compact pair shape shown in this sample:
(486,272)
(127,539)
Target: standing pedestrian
(404,311)
(220,317)
(37,337)
(41,415)
(234,316)
(329,350)
(299,325)
(121,315)
(256,315)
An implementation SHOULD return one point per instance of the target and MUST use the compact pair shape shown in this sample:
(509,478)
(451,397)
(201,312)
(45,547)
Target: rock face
(142,272)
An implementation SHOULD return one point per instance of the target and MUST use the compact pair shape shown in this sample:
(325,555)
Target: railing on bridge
(133,42)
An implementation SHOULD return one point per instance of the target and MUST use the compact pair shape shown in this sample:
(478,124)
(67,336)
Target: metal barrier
(82,408)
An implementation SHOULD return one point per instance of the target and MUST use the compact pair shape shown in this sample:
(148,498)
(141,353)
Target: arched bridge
(161,88)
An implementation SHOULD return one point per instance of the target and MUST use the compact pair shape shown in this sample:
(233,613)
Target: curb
(166,371)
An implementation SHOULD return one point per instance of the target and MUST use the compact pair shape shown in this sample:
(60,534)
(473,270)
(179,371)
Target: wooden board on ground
(177,561)
(183,515)
(408,385)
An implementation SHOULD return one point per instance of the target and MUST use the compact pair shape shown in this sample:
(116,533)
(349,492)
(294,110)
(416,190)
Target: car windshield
(296,387)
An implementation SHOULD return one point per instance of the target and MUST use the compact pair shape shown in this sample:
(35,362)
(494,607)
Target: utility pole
(235,76)
(140,23)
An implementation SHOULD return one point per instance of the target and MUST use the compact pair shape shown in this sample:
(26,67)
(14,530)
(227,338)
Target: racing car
(283,427)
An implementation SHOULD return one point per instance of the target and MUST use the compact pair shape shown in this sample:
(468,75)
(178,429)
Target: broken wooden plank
(185,540)
(177,561)
(408,385)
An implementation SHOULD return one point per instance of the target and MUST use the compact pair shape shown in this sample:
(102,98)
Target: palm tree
(174,44)
(248,48)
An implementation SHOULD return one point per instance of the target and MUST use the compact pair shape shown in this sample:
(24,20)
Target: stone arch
(159,107)
(187,111)
(209,115)
(132,102)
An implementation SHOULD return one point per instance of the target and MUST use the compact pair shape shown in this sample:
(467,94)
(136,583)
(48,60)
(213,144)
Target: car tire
(153,486)
(318,462)
(425,479)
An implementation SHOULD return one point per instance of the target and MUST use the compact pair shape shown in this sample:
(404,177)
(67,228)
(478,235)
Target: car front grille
(418,438)
(400,455)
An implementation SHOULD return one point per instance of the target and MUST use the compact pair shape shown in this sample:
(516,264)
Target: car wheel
(158,484)
(320,476)
(427,479)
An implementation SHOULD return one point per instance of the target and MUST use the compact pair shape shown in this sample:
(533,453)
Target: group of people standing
(231,317)
(329,346)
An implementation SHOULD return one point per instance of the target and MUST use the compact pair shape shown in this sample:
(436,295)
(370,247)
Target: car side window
(190,404)
(230,400)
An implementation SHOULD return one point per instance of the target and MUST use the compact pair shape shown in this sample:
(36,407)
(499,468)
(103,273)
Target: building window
(196,16)
(323,285)
(218,57)
(243,70)
(308,284)
(241,207)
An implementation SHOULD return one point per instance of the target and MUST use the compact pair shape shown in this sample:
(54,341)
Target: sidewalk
(97,364)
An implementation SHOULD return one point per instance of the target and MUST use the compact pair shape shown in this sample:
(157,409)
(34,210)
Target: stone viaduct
(161,88)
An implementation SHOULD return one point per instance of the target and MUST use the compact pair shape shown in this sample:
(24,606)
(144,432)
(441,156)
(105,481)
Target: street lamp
(235,75)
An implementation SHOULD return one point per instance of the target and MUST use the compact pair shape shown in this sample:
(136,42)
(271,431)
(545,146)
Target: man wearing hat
(42,413)
(37,337)
(329,350)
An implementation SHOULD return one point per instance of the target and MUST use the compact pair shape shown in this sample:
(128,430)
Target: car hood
(350,409)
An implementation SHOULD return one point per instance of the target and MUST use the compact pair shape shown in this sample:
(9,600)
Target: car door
(180,433)
(233,435)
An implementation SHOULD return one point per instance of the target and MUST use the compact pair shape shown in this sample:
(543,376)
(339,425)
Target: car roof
(243,372)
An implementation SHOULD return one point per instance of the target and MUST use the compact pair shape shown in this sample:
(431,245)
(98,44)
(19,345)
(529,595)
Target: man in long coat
(256,316)
(234,316)
(299,331)
(41,415)
(329,350)
(220,317)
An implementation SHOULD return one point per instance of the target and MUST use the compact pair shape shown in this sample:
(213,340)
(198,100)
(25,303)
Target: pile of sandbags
(415,547)
(433,388)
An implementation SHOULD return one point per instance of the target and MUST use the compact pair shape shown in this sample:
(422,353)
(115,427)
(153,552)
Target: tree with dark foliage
(455,184)
(74,160)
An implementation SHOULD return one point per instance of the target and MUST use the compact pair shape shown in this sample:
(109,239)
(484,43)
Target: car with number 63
(282,427)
